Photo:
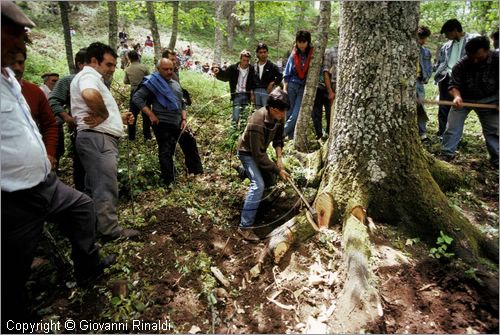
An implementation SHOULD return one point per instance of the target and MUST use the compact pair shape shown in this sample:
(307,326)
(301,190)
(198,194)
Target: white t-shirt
(242,80)
(24,161)
(88,77)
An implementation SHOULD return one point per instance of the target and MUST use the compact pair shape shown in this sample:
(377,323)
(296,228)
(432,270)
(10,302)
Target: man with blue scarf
(160,98)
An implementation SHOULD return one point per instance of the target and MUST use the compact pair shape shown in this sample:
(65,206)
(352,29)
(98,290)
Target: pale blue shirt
(88,77)
(24,162)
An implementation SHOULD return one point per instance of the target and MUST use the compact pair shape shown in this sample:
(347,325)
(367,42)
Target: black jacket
(271,73)
(231,74)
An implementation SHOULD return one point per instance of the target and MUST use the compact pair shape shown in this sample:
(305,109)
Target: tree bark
(251,21)
(305,137)
(175,25)
(154,29)
(231,23)
(63,6)
(219,16)
(113,24)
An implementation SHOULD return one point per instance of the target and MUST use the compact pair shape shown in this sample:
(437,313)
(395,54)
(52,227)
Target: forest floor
(188,231)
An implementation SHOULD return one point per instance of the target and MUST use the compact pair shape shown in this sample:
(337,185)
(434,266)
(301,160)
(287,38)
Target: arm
(328,84)
(98,111)
(184,119)
(126,79)
(140,100)
(456,81)
(59,98)
(48,128)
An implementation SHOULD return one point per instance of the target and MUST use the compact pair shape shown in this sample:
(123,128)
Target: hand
(331,97)
(252,97)
(52,161)
(154,119)
(70,121)
(128,118)
(93,120)
(284,175)
(270,87)
(183,124)
(458,102)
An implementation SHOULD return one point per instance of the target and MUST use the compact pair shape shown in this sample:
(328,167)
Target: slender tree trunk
(154,29)
(219,16)
(175,24)
(251,21)
(63,6)
(305,137)
(231,23)
(113,24)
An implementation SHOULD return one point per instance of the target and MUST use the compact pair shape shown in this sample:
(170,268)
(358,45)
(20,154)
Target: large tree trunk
(251,21)
(305,137)
(375,160)
(64,7)
(219,16)
(113,24)
(175,25)
(154,29)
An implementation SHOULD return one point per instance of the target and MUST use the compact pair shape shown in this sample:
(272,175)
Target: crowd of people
(33,119)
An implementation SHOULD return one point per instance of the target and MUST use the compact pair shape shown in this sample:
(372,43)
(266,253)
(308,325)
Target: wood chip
(220,277)
(279,304)
(426,287)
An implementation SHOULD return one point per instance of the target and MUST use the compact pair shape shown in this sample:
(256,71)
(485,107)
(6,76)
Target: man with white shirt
(100,126)
(31,192)
(241,84)
(449,54)
(267,75)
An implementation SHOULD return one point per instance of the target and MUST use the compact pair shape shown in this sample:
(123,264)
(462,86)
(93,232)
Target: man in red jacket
(40,109)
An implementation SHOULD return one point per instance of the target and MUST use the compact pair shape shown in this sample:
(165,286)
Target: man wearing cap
(31,192)
(264,126)
(49,81)
(100,126)
(449,54)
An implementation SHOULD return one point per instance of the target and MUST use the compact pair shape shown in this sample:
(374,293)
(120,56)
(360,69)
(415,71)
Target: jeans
(455,127)
(23,215)
(295,93)
(443,111)
(98,153)
(258,182)
(166,136)
(260,97)
(240,101)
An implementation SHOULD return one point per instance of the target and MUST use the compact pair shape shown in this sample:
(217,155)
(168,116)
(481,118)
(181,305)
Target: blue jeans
(443,111)
(260,97)
(455,128)
(295,93)
(259,180)
(240,101)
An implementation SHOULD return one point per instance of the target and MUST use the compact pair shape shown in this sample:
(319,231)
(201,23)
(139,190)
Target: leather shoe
(124,233)
(248,235)
(105,262)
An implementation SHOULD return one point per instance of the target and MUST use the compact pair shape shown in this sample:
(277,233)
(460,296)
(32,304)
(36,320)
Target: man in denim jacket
(449,54)
(424,72)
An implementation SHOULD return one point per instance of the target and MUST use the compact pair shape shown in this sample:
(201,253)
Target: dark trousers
(166,137)
(443,111)
(146,123)
(60,139)
(78,170)
(23,216)
(317,112)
